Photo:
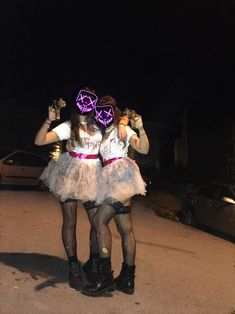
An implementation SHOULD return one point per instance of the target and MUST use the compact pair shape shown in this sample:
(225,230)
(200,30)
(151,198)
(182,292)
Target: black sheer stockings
(124,225)
(69,212)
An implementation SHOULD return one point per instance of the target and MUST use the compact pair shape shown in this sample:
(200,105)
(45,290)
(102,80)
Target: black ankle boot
(75,279)
(126,280)
(104,281)
(90,267)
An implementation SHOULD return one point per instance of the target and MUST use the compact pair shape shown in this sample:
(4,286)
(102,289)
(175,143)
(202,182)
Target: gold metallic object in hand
(132,115)
(57,105)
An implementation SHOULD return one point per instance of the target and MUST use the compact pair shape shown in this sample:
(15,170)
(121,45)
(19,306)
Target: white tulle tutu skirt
(72,178)
(121,180)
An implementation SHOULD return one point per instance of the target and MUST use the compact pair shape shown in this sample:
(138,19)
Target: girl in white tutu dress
(119,180)
(74,175)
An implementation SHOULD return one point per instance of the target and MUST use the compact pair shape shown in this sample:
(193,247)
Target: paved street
(180,270)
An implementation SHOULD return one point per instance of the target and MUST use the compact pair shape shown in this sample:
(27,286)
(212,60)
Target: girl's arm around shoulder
(122,124)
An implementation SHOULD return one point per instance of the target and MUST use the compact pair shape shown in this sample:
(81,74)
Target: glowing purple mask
(86,101)
(104,115)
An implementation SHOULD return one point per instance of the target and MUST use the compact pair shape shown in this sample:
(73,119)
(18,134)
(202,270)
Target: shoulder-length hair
(76,124)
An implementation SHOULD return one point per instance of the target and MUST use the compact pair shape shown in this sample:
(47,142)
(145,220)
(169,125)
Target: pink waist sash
(109,161)
(83,156)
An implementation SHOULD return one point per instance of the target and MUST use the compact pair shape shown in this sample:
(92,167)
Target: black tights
(69,212)
(123,222)
(94,248)
(124,226)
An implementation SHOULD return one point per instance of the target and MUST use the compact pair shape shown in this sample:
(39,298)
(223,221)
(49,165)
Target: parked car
(212,205)
(21,167)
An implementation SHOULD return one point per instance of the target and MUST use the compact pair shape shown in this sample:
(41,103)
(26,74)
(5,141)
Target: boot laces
(101,273)
(75,269)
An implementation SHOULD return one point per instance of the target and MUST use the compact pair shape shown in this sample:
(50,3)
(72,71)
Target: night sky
(164,54)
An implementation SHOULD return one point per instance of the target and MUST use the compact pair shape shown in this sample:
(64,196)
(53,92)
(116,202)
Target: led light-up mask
(104,115)
(86,101)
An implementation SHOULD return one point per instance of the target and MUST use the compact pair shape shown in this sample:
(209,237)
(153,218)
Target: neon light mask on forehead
(104,115)
(86,102)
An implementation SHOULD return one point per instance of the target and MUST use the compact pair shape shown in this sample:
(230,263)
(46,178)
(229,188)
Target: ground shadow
(52,268)
(12,187)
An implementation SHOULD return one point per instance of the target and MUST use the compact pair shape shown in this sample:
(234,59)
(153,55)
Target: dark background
(156,57)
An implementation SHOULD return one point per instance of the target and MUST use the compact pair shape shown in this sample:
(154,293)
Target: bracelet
(122,124)
(143,134)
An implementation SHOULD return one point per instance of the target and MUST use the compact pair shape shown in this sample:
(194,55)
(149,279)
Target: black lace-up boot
(104,281)
(90,267)
(75,279)
(126,280)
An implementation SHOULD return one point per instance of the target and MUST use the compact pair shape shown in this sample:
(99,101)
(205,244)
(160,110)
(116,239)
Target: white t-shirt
(91,142)
(113,147)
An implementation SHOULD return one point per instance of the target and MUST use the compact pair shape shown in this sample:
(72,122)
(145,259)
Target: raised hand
(54,109)
(135,119)
(138,123)
(52,113)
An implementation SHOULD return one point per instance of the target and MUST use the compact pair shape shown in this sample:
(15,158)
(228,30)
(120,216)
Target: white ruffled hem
(121,180)
(72,178)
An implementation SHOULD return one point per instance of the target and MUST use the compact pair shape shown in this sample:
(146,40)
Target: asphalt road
(179,269)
